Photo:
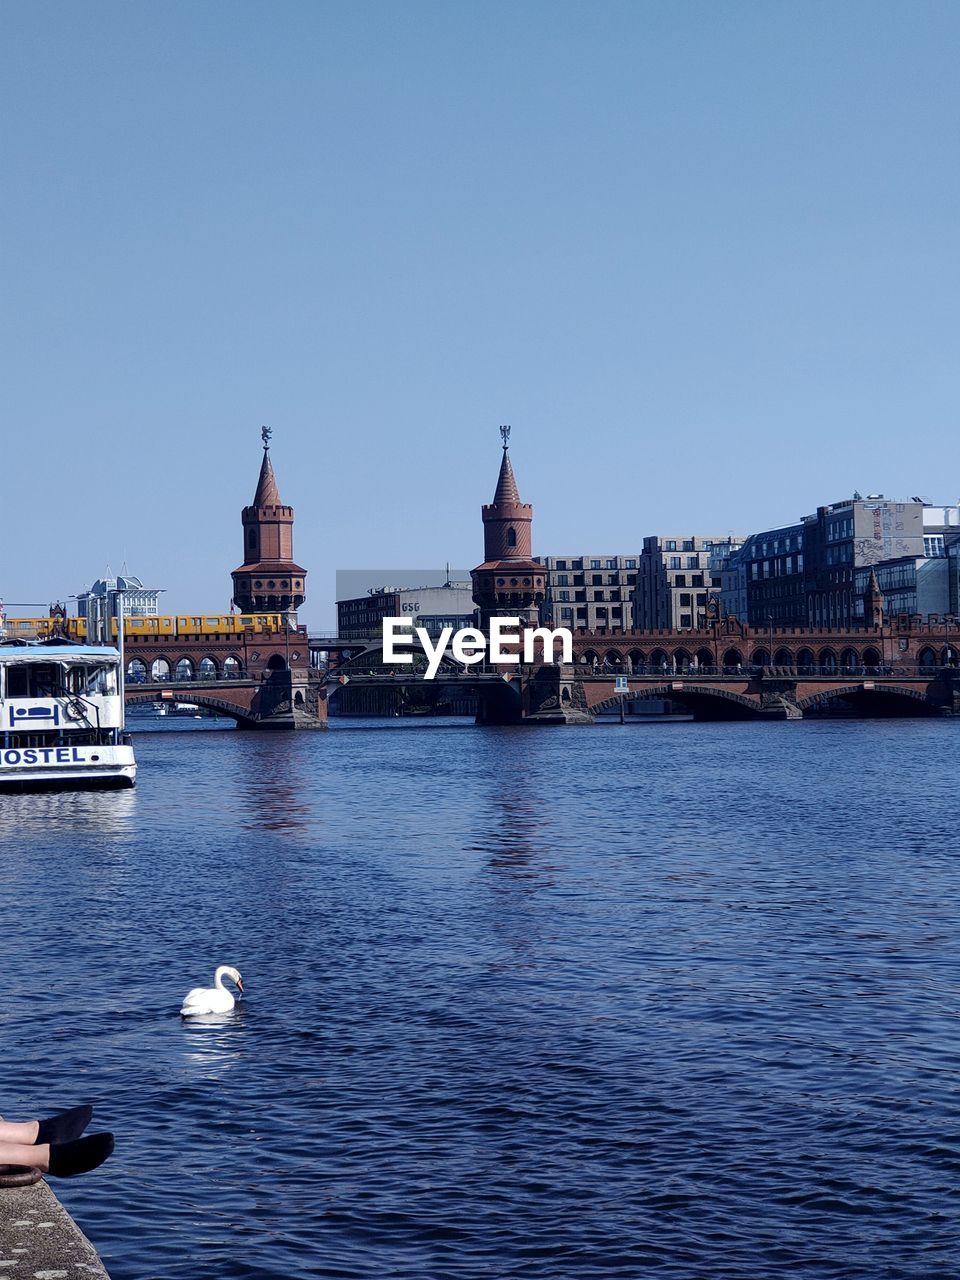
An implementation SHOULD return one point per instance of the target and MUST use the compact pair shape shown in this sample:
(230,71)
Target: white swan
(215,999)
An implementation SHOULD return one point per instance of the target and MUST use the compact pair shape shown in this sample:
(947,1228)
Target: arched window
(733,658)
(659,661)
(511,537)
(872,659)
(208,669)
(681,660)
(760,658)
(185,669)
(849,660)
(160,670)
(231,668)
(636,660)
(783,658)
(136,671)
(927,658)
(704,658)
(828,660)
(806,658)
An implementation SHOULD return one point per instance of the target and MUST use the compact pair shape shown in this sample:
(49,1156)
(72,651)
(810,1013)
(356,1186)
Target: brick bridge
(729,671)
(260,680)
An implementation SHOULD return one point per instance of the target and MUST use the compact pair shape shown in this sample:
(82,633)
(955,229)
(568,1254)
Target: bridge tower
(509,583)
(873,602)
(268,581)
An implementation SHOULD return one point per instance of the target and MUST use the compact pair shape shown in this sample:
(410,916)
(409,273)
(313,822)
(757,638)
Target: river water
(679,1000)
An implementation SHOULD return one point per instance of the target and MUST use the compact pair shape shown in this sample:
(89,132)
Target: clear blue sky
(702,256)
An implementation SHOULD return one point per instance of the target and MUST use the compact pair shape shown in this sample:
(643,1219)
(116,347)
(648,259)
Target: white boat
(62,717)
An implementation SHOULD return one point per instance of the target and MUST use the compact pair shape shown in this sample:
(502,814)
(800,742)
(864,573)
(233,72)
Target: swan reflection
(214,1041)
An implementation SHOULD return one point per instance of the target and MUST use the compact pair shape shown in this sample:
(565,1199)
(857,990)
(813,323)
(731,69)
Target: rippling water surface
(559,1004)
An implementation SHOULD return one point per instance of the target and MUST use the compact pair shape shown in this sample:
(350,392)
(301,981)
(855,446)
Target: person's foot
(65,1126)
(67,1159)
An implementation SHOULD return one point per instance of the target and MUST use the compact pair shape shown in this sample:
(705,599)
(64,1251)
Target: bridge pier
(778,699)
(950,677)
(288,700)
(553,695)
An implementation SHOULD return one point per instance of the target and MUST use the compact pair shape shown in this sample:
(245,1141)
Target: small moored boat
(62,718)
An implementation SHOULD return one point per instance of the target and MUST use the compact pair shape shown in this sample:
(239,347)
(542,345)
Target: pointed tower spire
(507,490)
(267,495)
(268,581)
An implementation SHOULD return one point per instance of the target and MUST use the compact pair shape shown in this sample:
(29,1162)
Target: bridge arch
(707,702)
(212,701)
(137,671)
(806,658)
(681,660)
(613,658)
(232,668)
(659,660)
(636,659)
(948,656)
(849,660)
(704,658)
(276,662)
(370,661)
(733,658)
(828,660)
(883,700)
(783,658)
(184,669)
(872,658)
(760,657)
(927,657)
(207,668)
(159,670)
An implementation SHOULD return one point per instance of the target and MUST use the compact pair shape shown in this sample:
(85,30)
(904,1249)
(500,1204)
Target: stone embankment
(40,1241)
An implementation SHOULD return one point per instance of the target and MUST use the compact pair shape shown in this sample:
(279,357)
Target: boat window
(101,680)
(36,680)
(17,683)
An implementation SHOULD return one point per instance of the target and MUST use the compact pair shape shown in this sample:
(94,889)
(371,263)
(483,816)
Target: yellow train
(220,624)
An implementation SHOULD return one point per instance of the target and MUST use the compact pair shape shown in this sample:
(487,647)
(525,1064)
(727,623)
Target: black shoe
(65,1126)
(67,1159)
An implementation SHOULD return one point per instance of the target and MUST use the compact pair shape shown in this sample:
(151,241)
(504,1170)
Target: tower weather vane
(505,435)
(265,434)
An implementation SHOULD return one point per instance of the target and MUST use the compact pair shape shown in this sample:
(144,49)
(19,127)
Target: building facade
(589,591)
(677,577)
(814,573)
(138,601)
(431,608)
(909,585)
(769,574)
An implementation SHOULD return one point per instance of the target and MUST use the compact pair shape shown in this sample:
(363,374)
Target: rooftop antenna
(265,434)
(505,437)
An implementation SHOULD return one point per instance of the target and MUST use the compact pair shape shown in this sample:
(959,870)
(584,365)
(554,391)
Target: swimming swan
(215,999)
